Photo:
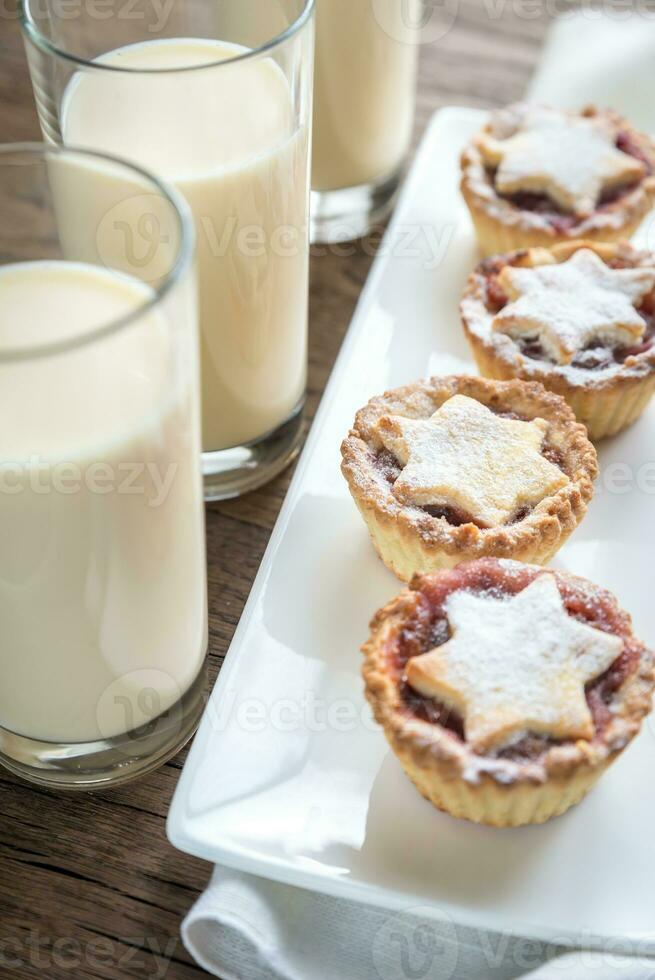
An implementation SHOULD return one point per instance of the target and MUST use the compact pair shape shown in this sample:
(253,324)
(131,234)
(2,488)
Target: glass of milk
(103,593)
(215,96)
(364,95)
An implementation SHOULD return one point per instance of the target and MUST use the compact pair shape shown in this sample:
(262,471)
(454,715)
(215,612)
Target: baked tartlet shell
(410,541)
(605,406)
(501,226)
(511,794)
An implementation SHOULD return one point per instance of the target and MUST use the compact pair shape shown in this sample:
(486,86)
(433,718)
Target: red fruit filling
(428,628)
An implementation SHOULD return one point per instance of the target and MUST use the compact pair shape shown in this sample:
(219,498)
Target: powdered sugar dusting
(568,305)
(515,665)
(468,458)
(572,160)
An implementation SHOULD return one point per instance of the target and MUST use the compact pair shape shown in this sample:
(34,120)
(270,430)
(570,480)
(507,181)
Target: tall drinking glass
(215,96)
(364,94)
(102,550)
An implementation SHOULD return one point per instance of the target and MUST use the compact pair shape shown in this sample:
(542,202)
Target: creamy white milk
(226,136)
(102,569)
(365,78)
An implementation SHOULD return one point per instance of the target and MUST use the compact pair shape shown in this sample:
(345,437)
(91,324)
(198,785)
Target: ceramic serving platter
(289,778)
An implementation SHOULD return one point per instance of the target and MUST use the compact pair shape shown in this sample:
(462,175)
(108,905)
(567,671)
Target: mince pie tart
(505,689)
(451,469)
(535,176)
(579,318)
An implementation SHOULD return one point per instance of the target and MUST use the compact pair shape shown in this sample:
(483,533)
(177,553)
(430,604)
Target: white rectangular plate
(288,777)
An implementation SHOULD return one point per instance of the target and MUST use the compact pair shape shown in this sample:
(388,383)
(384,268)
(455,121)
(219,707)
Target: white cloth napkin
(248,928)
(607,59)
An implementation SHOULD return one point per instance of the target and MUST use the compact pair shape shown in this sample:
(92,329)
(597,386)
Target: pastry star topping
(515,665)
(568,305)
(464,456)
(572,160)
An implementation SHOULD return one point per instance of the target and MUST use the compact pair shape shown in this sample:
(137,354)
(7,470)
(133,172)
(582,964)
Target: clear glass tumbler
(364,95)
(103,596)
(215,96)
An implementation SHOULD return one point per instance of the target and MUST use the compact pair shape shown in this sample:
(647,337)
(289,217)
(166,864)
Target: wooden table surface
(89,885)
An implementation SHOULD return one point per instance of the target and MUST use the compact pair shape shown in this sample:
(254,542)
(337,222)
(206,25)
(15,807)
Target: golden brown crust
(605,401)
(501,226)
(408,539)
(486,789)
